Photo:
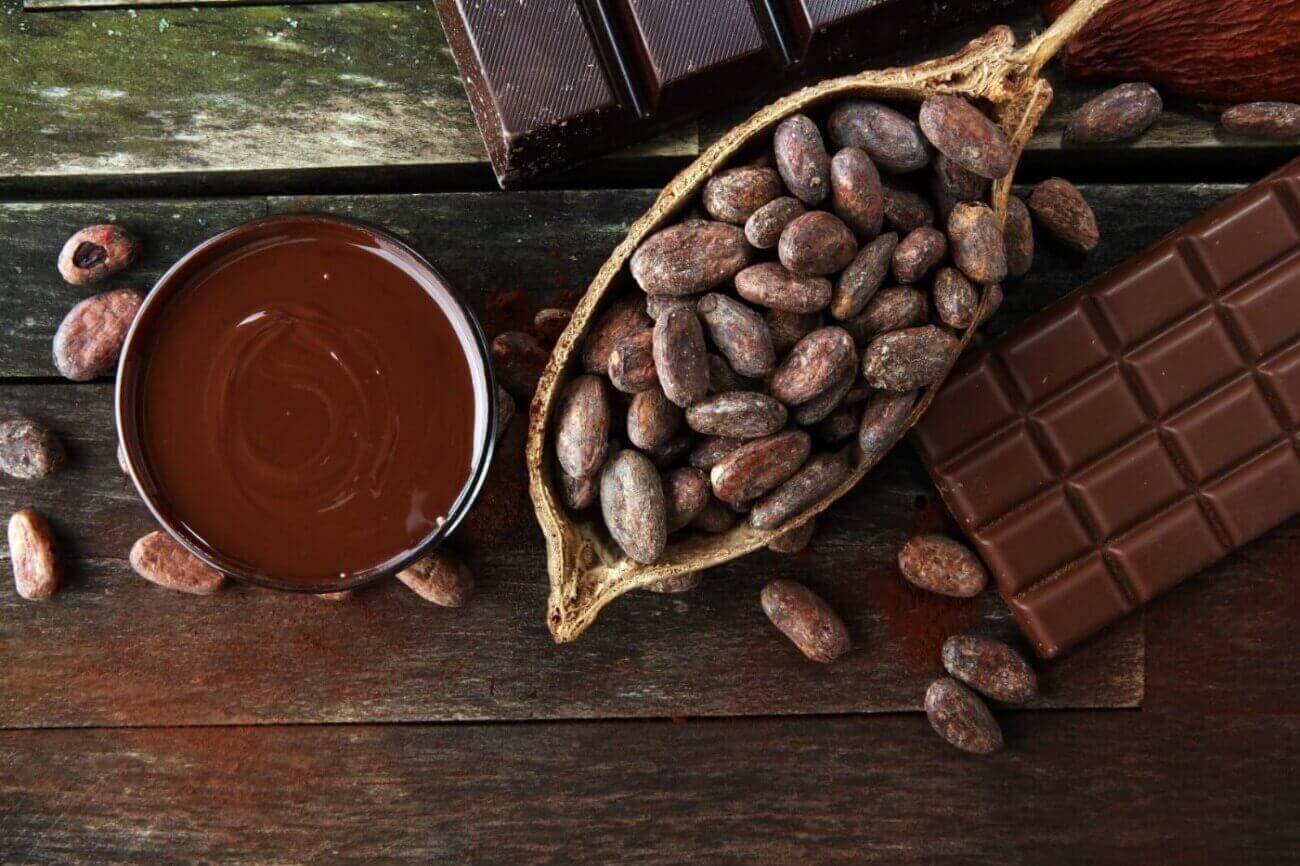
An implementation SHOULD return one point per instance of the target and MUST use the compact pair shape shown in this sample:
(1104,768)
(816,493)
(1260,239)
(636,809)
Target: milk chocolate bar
(553,82)
(1138,430)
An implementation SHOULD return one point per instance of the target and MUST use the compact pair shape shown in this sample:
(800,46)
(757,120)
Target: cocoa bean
(756,467)
(856,194)
(28,450)
(789,328)
(882,422)
(990,667)
(905,211)
(722,378)
(1273,121)
(1018,237)
(773,285)
(681,357)
(740,334)
(966,135)
(816,244)
(1061,209)
(505,411)
(738,415)
(951,185)
(960,717)
(709,451)
(818,477)
(549,324)
(686,492)
(814,410)
(633,505)
(684,582)
(995,298)
(579,493)
(909,359)
(96,252)
(1120,114)
(802,160)
(794,540)
(955,298)
(674,451)
(763,228)
(978,247)
(518,360)
(689,258)
(890,138)
(890,310)
(582,426)
(938,564)
(918,254)
(632,363)
(441,578)
(840,425)
(814,365)
(715,518)
(807,620)
(658,305)
(652,419)
(733,195)
(863,277)
(160,559)
(33,555)
(90,337)
(624,318)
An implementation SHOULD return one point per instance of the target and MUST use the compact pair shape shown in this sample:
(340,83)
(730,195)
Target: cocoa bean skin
(518,360)
(890,138)
(816,244)
(774,286)
(938,564)
(818,477)
(160,559)
(815,364)
(709,451)
(1018,236)
(890,310)
(681,357)
(882,421)
(966,135)
(689,258)
(686,492)
(951,185)
(733,195)
(905,211)
(28,450)
(90,337)
(955,298)
(624,318)
(441,578)
(683,582)
(1122,113)
(787,329)
(549,324)
(1272,121)
(740,334)
(763,228)
(795,540)
(633,505)
(34,556)
(918,254)
(579,493)
(990,667)
(582,426)
(737,415)
(759,466)
(1064,213)
(863,277)
(715,518)
(807,620)
(652,419)
(856,193)
(908,359)
(961,718)
(802,160)
(722,378)
(96,252)
(814,410)
(978,247)
(632,363)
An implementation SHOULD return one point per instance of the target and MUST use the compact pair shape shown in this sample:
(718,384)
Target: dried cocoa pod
(960,717)
(814,365)
(882,421)
(890,138)
(814,410)
(686,492)
(709,451)
(840,425)
(733,195)
(739,333)
(787,329)
(681,357)
(737,415)
(938,564)
(863,277)
(818,477)
(1120,114)
(579,493)
(715,518)
(722,378)
(773,285)
(763,228)
(689,258)
(950,184)
(905,211)
(518,360)
(505,411)
(441,578)
(657,305)
(1061,209)
(990,667)
(816,244)
(633,505)
(978,247)
(1018,237)
(807,620)
(802,160)
(28,450)
(1272,121)
(759,466)
(34,556)
(91,335)
(955,298)
(96,252)
(625,317)
(632,363)
(160,559)
(918,254)
(795,540)
(909,359)
(674,451)
(683,582)
(652,419)
(856,194)
(549,323)
(582,426)
(890,310)
(966,135)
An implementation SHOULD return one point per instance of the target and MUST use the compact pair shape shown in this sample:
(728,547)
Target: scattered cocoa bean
(1120,114)
(96,252)
(816,244)
(549,324)
(657,305)
(1018,237)
(759,466)
(890,310)
(680,357)
(579,493)
(818,477)
(709,451)
(28,450)
(960,717)
(160,559)
(91,335)
(1061,209)
(955,298)
(807,620)
(773,285)
(505,411)
(990,667)
(738,415)
(625,317)
(518,360)
(905,211)
(882,421)
(632,363)
(689,258)
(918,254)
(740,334)
(33,555)
(1273,121)
(815,364)
(802,160)
(733,195)
(722,378)
(966,135)
(787,329)
(794,540)
(633,505)
(863,277)
(856,194)
(684,582)
(938,564)
(890,138)
(441,578)
(686,492)
(652,419)
(582,426)
(951,185)
(840,425)
(810,412)
(764,227)
(909,359)
(715,518)
(978,247)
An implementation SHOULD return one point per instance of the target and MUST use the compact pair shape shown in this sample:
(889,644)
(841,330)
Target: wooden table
(142,726)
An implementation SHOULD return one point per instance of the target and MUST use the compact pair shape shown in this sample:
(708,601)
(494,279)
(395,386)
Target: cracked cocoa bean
(582,426)
(1272,121)
(684,582)
(90,337)
(633,505)
(732,196)
(966,135)
(978,247)
(518,360)
(890,138)
(814,365)
(549,324)
(818,477)
(652,419)
(737,415)
(579,493)
(856,193)
(816,244)
(990,667)
(739,333)
(441,578)
(772,285)
(950,184)
(686,492)
(802,160)
(955,298)
(863,277)
(938,564)
(96,252)
(632,363)
(794,540)
(33,556)
(680,357)
(759,466)
(905,211)
(763,229)
(918,254)
(709,451)
(883,419)
(1018,237)
(689,258)
(807,620)
(1061,209)
(625,317)
(160,559)
(28,450)
(890,310)
(1120,114)
(787,329)
(715,518)
(909,359)
(960,717)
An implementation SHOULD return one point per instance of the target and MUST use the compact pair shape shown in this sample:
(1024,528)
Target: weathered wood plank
(1071,788)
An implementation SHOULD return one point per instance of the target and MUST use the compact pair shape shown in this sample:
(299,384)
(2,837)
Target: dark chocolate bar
(1138,430)
(553,82)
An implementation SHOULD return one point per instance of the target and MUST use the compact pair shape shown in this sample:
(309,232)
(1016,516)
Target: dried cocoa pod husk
(587,569)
